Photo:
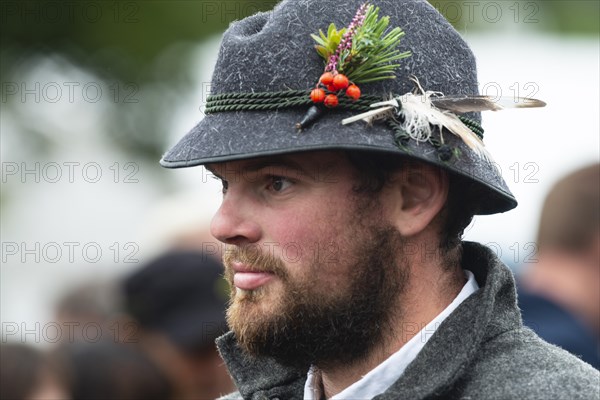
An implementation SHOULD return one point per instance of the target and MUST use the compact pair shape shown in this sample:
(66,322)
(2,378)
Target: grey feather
(465,103)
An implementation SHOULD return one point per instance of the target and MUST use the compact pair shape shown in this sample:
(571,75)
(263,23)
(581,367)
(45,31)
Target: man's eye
(279,183)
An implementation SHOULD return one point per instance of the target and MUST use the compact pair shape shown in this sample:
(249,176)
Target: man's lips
(247,279)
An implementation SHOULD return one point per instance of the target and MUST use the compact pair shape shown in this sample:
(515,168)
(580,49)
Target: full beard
(315,325)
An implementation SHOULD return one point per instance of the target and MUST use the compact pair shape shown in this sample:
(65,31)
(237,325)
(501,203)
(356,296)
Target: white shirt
(385,374)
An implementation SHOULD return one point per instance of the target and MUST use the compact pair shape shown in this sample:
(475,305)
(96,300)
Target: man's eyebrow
(253,166)
(257,165)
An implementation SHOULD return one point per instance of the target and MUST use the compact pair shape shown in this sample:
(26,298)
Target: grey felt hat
(274,52)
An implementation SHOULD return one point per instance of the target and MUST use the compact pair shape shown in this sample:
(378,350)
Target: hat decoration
(365,51)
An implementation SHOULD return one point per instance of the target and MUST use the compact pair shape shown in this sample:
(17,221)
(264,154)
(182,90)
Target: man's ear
(416,194)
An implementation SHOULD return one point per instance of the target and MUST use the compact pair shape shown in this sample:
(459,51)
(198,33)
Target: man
(559,293)
(349,279)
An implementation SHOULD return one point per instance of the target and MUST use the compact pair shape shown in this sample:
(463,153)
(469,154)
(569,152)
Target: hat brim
(229,136)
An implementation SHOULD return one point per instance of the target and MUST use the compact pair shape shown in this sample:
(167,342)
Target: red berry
(331,88)
(326,78)
(331,100)
(317,95)
(353,92)
(340,81)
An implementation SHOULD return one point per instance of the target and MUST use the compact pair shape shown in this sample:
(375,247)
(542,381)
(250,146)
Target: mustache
(253,256)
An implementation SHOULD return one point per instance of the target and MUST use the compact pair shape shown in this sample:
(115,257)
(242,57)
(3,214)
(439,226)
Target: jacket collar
(489,312)
(253,375)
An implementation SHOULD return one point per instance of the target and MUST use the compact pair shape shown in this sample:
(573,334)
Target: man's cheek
(289,240)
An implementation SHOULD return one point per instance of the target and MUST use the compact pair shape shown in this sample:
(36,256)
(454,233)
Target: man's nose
(233,223)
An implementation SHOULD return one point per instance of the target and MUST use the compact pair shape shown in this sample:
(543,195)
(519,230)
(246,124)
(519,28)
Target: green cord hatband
(269,101)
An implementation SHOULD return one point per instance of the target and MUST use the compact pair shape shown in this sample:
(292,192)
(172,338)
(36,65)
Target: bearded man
(345,195)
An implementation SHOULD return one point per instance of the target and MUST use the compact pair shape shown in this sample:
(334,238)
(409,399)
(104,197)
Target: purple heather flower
(346,42)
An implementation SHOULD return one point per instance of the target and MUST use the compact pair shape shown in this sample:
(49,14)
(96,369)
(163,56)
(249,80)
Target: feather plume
(464,104)
(418,115)
(422,110)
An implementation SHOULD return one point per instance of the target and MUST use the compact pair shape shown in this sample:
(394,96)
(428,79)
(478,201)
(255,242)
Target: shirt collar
(389,371)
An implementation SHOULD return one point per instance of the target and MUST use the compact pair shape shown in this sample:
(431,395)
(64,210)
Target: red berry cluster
(334,84)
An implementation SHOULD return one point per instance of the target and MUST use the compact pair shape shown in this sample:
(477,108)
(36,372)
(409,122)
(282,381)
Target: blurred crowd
(158,325)
(156,340)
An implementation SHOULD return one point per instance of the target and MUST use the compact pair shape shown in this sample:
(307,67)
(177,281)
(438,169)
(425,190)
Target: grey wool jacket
(481,351)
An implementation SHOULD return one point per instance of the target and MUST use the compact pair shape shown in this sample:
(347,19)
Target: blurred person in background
(91,311)
(26,374)
(106,370)
(179,302)
(559,295)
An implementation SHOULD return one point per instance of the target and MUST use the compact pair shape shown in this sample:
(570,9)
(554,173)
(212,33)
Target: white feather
(419,115)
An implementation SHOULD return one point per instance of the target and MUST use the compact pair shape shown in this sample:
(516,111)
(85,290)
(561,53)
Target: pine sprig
(373,53)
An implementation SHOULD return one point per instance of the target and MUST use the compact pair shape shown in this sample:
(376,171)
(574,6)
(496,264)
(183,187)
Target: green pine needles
(365,51)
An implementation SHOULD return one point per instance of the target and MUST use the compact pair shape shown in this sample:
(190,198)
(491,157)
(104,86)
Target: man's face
(311,262)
